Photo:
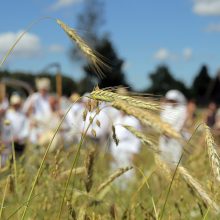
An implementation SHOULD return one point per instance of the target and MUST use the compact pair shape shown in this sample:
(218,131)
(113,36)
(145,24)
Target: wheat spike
(147,118)
(88,52)
(76,171)
(111,178)
(212,153)
(108,96)
(89,162)
(163,166)
(198,188)
(142,137)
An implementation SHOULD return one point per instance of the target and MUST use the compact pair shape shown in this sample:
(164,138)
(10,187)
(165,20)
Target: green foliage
(113,76)
(201,85)
(162,81)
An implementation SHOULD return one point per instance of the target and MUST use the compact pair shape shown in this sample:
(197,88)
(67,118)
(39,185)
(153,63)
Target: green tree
(91,20)
(200,84)
(162,81)
(113,76)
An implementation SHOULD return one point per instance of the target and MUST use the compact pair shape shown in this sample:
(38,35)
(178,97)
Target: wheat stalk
(108,96)
(95,58)
(198,188)
(111,178)
(76,171)
(212,153)
(89,162)
(142,137)
(147,118)
(163,167)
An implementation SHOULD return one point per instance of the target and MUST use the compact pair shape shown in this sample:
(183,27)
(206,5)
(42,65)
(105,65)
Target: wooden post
(59,84)
(2,91)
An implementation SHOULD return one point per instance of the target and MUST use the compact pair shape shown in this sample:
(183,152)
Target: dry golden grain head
(113,212)
(93,133)
(163,167)
(89,162)
(114,176)
(147,118)
(212,153)
(76,171)
(96,60)
(114,136)
(109,96)
(206,198)
(98,123)
(85,112)
(142,137)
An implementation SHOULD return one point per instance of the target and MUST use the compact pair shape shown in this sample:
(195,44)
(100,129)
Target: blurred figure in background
(73,120)
(49,125)
(37,107)
(128,146)
(16,126)
(210,114)
(3,103)
(37,104)
(174,113)
(189,125)
(216,127)
(98,120)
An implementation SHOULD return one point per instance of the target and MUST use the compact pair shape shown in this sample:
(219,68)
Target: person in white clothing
(38,108)
(16,126)
(127,147)
(174,113)
(38,104)
(74,120)
(97,121)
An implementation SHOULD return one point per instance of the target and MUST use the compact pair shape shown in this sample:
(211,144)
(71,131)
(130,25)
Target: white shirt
(127,141)
(174,115)
(18,126)
(40,104)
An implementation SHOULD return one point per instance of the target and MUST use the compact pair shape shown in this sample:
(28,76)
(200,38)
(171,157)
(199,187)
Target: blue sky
(182,34)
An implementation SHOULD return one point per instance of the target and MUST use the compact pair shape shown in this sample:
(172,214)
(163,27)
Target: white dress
(73,121)
(40,105)
(128,143)
(41,110)
(171,149)
(17,126)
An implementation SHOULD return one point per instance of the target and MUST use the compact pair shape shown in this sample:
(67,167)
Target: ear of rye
(92,56)
(212,153)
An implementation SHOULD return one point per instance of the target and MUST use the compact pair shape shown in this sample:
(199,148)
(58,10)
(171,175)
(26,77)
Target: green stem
(74,163)
(42,163)
(3,198)
(14,163)
(151,195)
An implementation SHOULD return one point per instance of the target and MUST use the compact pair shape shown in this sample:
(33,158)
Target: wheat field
(78,182)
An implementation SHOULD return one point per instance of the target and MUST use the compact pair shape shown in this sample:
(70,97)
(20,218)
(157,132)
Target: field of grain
(78,182)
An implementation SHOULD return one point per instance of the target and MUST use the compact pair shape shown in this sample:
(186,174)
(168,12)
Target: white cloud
(127,65)
(187,53)
(63,4)
(56,48)
(207,7)
(28,46)
(213,28)
(162,54)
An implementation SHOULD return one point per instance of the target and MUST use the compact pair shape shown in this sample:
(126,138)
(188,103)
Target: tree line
(203,89)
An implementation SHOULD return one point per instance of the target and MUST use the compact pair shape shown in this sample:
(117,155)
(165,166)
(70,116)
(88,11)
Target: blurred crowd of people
(35,120)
